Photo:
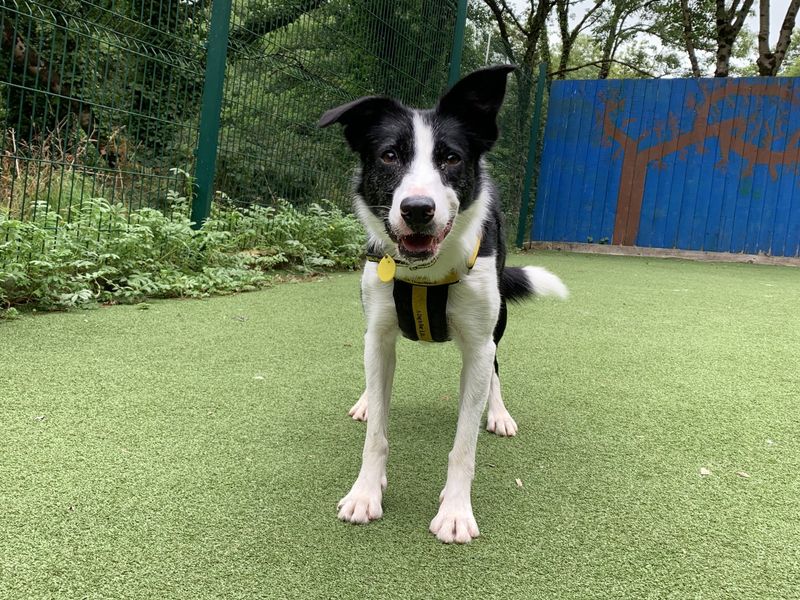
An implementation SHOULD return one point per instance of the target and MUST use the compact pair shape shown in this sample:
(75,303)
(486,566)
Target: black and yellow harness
(421,306)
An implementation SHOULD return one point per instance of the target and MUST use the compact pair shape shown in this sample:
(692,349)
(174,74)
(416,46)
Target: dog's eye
(389,157)
(452,159)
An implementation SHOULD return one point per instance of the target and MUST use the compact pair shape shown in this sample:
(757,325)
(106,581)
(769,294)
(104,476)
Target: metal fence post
(217,46)
(458,44)
(533,151)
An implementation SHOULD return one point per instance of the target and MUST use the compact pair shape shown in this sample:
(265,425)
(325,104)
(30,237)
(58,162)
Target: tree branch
(508,11)
(598,63)
(786,33)
(741,16)
(582,23)
(763,29)
(501,26)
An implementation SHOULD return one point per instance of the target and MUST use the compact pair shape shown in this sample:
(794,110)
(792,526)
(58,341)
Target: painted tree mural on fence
(758,141)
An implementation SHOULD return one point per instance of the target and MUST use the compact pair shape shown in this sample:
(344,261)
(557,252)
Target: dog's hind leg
(498,419)
(359,409)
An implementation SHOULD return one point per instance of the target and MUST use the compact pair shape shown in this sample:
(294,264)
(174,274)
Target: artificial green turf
(197,449)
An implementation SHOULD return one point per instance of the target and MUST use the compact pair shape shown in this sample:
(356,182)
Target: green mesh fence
(102,98)
(97,99)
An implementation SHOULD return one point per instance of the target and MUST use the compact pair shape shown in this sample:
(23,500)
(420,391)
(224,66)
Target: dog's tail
(518,283)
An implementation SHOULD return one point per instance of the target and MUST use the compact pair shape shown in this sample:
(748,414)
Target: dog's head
(421,168)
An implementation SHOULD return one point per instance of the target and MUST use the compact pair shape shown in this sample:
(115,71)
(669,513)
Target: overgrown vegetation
(107,254)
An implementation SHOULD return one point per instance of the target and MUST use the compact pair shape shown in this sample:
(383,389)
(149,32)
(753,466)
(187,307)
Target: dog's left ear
(476,100)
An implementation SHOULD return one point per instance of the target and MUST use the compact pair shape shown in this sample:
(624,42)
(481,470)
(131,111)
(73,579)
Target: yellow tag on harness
(386,269)
(419,308)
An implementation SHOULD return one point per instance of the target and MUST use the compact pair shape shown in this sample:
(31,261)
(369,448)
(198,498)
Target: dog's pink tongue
(418,242)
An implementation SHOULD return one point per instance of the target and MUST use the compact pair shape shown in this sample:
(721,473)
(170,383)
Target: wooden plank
(628,214)
(789,173)
(571,168)
(700,91)
(742,201)
(759,259)
(763,123)
(654,106)
(732,168)
(708,221)
(559,100)
(684,120)
(671,178)
(597,193)
(547,170)
(792,242)
(612,161)
(592,132)
(580,202)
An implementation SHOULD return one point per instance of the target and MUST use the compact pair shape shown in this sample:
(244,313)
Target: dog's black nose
(417,210)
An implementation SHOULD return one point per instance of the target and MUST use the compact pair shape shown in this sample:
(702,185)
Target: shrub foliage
(107,254)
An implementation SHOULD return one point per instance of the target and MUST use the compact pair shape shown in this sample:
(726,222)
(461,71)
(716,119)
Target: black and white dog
(436,271)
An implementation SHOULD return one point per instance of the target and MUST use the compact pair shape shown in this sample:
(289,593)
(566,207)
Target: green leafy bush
(107,254)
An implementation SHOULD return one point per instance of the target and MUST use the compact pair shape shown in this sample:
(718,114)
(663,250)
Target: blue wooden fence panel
(696,164)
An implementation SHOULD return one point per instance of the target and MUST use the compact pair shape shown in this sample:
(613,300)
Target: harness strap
(421,306)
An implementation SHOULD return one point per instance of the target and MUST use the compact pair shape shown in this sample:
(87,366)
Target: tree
(569,36)
(729,23)
(688,38)
(525,44)
(616,30)
(769,62)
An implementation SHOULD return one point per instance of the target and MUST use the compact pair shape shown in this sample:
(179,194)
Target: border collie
(436,271)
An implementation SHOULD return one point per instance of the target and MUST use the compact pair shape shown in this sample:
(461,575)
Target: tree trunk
(688,37)
(766,59)
(724,48)
(785,35)
(562,8)
(724,41)
(729,24)
(608,47)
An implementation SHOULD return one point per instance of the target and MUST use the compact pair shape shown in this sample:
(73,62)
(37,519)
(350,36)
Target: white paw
(501,423)
(454,523)
(362,504)
(359,410)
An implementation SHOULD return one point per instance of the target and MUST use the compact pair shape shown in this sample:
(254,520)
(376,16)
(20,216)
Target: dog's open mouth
(422,245)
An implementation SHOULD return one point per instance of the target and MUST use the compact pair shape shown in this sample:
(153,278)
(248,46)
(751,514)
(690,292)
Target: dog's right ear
(358,116)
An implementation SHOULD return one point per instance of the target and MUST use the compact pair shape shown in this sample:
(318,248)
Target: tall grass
(56,171)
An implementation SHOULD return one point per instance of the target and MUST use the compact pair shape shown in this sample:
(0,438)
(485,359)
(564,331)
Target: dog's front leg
(363,503)
(455,522)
